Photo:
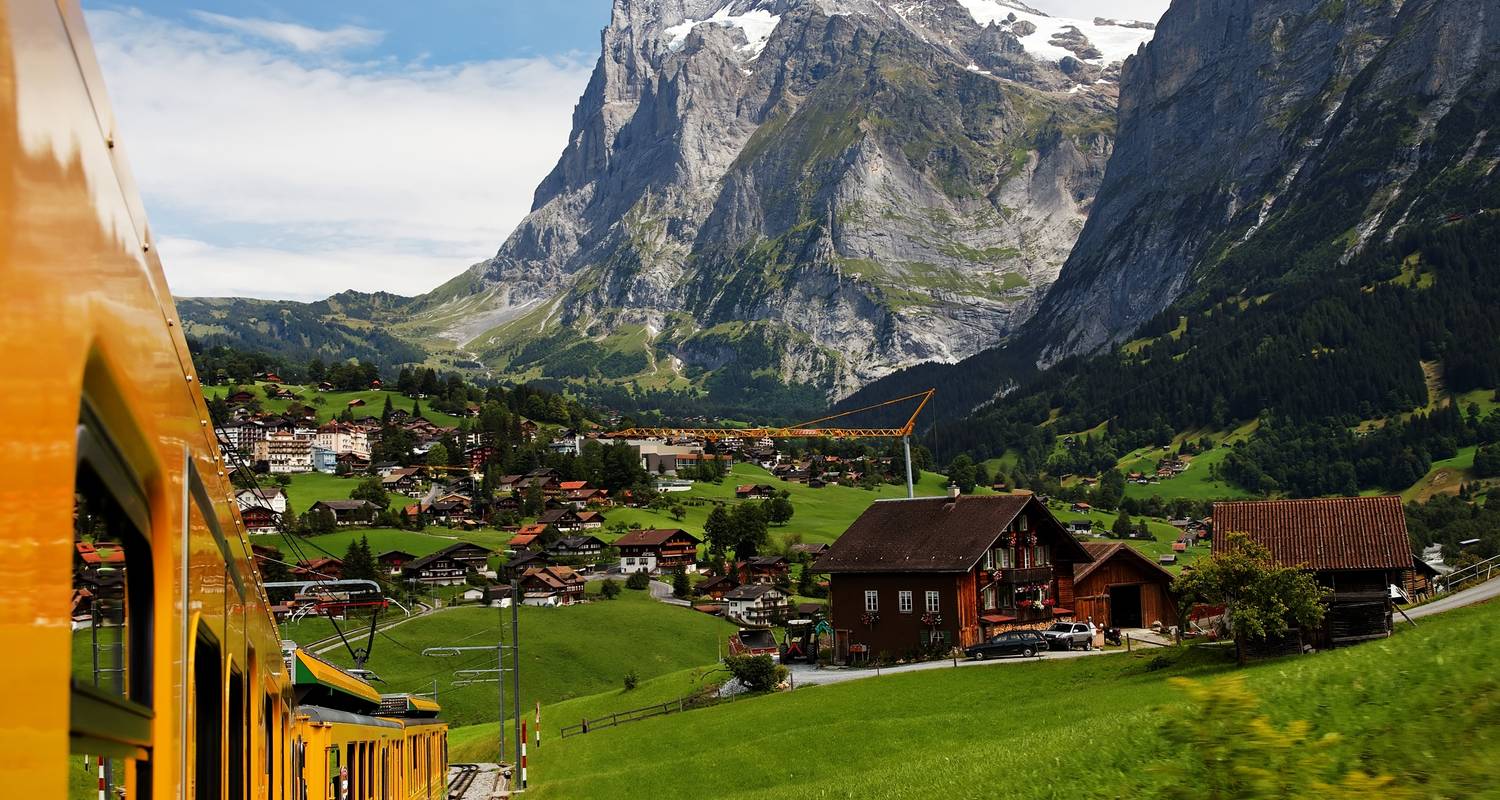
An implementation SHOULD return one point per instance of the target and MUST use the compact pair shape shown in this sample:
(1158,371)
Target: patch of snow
(972,67)
(1115,42)
(757,25)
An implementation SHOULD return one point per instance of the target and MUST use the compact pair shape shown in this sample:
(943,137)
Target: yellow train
(141,659)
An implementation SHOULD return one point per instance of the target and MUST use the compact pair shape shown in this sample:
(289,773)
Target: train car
(142,659)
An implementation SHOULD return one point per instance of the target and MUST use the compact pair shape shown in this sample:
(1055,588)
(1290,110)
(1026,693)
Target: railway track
(461,778)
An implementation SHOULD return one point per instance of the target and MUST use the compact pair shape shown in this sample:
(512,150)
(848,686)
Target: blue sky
(297,149)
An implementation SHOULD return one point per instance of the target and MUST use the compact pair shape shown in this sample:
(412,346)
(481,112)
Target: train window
(111,605)
(208,712)
(236,749)
(338,784)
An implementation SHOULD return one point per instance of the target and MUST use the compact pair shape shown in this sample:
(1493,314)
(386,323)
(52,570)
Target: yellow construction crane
(801,430)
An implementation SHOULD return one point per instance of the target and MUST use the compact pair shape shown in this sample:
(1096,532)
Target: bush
(631,680)
(756,673)
(609,589)
(638,581)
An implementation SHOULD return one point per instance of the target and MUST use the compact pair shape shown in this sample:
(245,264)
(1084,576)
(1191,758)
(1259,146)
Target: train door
(334,779)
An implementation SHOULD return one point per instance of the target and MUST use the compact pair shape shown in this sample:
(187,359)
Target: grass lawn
(334,403)
(1444,477)
(821,515)
(1194,484)
(307,488)
(565,652)
(1423,707)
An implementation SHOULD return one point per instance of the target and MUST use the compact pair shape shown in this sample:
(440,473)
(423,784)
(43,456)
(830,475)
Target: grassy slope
(821,515)
(566,652)
(1087,728)
(309,487)
(1444,477)
(334,403)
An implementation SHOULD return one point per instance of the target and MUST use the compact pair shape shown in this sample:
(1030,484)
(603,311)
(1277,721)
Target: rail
(463,777)
(1482,571)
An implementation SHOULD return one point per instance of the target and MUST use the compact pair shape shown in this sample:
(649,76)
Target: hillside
(566,652)
(1084,728)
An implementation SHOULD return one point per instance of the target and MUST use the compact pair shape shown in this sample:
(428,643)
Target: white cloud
(298,37)
(291,171)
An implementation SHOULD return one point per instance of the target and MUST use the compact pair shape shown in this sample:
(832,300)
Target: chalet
(936,571)
(356,402)
(450,508)
(658,550)
(346,512)
(270,497)
(585,497)
(447,566)
(1081,527)
(756,605)
(497,595)
(763,569)
(581,547)
(813,550)
(527,559)
(551,586)
(478,457)
(718,586)
(259,519)
(240,398)
(1122,588)
(402,479)
(1081,507)
(755,491)
(393,561)
(590,520)
(1355,546)
(318,569)
(325,386)
(565,520)
(524,541)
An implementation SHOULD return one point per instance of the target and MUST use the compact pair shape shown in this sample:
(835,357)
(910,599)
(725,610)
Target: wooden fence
(633,715)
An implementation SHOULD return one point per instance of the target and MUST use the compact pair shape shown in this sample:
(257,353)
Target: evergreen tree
(681,586)
(387,411)
(719,531)
(359,563)
(1123,527)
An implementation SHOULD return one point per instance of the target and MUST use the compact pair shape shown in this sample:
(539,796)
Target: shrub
(609,589)
(638,581)
(631,680)
(756,673)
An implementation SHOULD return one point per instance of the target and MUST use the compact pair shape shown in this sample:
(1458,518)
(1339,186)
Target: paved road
(1468,597)
(808,675)
(663,592)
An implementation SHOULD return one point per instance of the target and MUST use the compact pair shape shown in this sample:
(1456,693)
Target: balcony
(1022,576)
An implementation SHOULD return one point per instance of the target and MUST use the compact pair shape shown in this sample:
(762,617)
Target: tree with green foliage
(682,587)
(437,455)
(677,512)
(778,509)
(1123,526)
(359,562)
(387,410)
(1111,489)
(534,501)
(718,531)
(961,472)
(751,531)
(1487,461)
(638,581)
(1261,599)
(416,409)
(372,490)
(609,589)
(273,566)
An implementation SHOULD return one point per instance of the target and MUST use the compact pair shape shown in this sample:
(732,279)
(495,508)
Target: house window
(989,559)
(989,597)
(932,602)
(1043,555)
(872,600)
(1005,559)
(903,602)
(934,637)
(1023,522)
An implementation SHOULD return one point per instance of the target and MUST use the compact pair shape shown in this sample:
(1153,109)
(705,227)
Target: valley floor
(1422,707)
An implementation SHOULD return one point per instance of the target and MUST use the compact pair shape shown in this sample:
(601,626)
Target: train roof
(407,705)
(322,714)
(319,683)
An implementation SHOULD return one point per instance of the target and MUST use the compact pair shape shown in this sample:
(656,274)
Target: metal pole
(515,666)
(500,664)
(911,490)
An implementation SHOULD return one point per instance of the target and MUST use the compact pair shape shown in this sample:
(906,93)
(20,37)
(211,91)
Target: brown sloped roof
(1335,533)
(935,534)
(1104,551)
(651,536)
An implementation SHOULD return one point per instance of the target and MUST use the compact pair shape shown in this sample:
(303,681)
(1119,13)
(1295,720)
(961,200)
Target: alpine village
(933,398)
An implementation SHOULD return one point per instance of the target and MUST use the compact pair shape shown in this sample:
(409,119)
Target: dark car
(1011,643)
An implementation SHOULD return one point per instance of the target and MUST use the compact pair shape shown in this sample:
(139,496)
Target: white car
(1070,635)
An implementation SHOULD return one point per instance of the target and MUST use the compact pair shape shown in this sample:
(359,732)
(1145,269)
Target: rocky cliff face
(819,191)
(1261,138)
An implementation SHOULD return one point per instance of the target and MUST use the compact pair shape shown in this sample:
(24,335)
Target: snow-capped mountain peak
(1099,41)
(756,24)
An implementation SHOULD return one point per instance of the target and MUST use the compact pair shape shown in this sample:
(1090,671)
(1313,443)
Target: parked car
(1010,643)
(1069,635)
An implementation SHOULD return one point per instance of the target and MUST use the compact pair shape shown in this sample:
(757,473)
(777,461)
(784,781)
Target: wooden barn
(1356,546)
(1122,588)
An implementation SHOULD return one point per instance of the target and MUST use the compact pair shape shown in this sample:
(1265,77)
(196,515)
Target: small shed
(1123,588)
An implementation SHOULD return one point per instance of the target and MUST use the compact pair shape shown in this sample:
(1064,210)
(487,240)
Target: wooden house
(949,571)
(763,569)
(393,561)
(551,586)
(448,566)
(755,605)
(654,550)
(1122,588)
(1355,546)
(755,491)
(346,512)
(580,547)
